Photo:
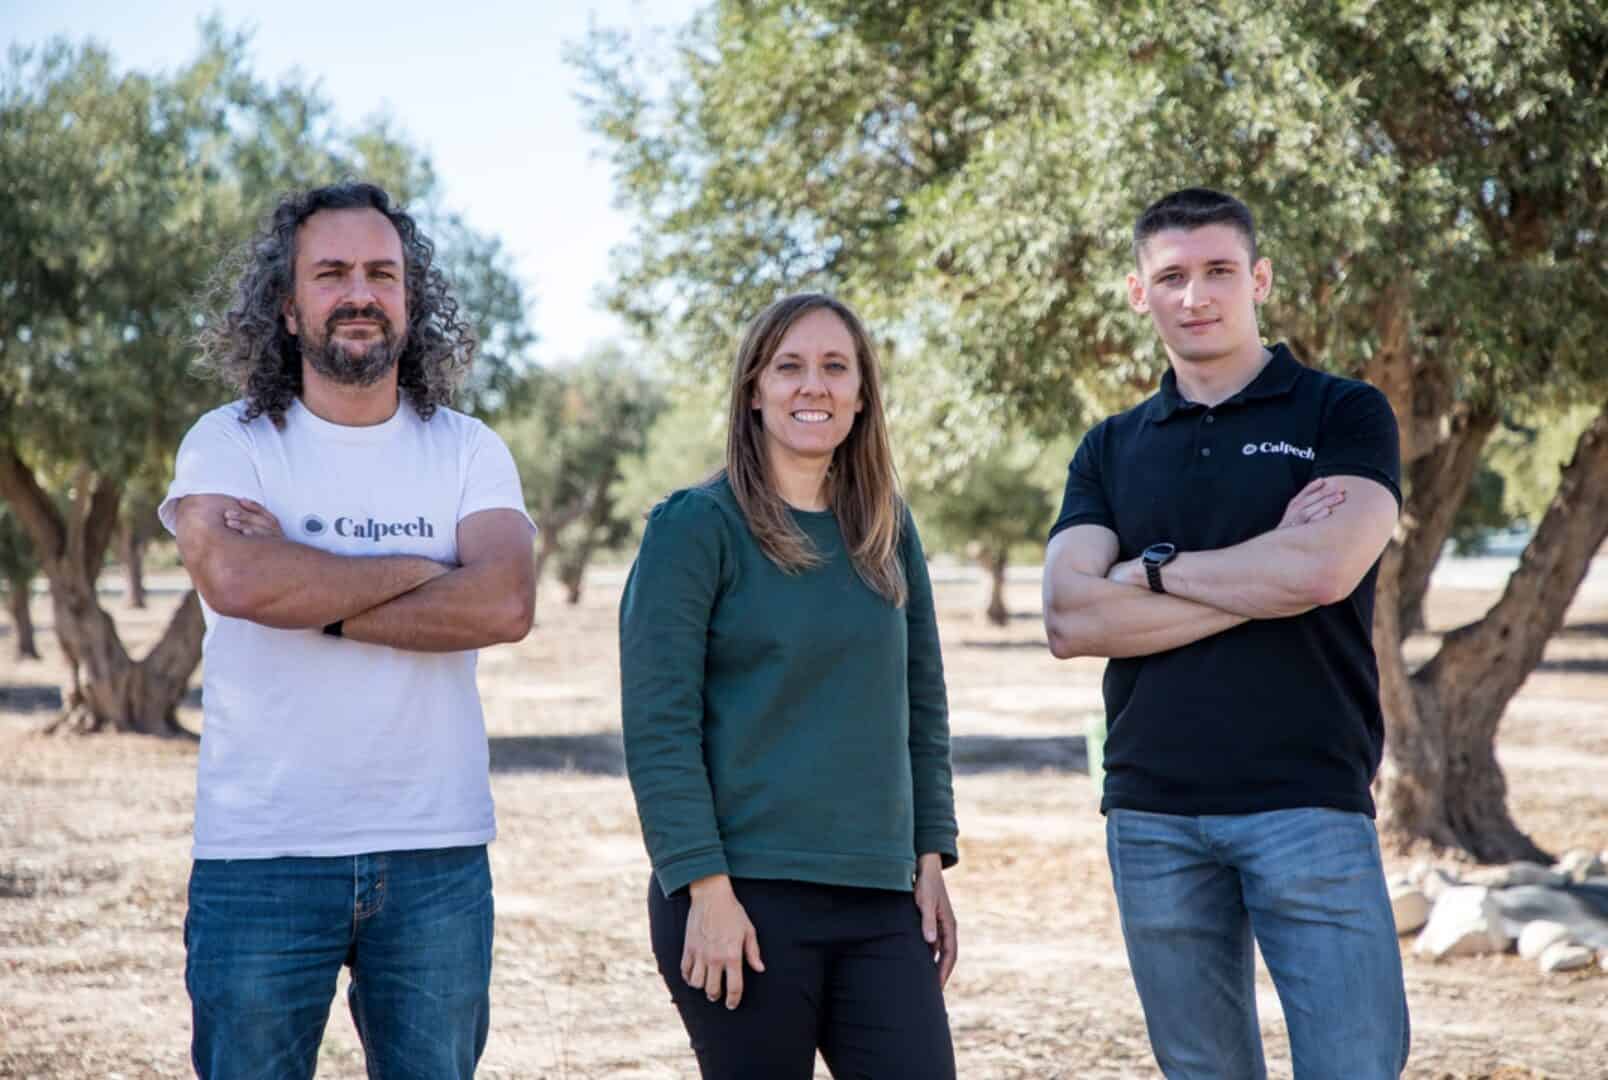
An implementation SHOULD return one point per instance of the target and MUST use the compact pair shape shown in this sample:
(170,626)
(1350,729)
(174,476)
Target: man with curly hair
(354,542)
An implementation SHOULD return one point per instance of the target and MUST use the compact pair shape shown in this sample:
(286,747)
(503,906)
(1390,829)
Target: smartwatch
(1155,557)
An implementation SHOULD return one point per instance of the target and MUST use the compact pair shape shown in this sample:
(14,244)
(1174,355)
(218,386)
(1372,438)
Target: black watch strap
(1153,575)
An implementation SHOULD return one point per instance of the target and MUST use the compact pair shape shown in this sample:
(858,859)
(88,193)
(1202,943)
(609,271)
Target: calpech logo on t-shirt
(1277,448)
(368,528)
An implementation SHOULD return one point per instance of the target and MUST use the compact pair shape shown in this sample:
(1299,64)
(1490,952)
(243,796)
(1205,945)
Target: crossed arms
(1331,533)
(244,567)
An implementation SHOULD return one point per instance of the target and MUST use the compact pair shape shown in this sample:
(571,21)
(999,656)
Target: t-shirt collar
(1274,380)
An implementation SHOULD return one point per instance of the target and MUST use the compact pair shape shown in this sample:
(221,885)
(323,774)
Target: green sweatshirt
(780,725)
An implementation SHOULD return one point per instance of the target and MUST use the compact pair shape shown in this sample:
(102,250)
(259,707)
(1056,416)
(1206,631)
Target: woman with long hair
(787,729)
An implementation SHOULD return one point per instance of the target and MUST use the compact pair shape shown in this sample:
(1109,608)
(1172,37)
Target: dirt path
(94,840)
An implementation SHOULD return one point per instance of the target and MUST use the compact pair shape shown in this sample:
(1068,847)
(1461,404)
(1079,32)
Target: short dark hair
(244,340)
(1194,208)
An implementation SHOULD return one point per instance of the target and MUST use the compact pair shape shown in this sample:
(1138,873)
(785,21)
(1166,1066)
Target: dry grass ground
(94,838)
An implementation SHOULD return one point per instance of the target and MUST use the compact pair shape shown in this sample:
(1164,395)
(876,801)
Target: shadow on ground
(29,697)
(35,697)
(1001,753)
(595,755)
(1582,665)
(604,755)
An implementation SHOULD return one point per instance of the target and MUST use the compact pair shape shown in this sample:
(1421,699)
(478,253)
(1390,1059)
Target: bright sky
(481,87)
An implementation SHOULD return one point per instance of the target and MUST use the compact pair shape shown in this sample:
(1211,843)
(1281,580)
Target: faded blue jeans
(1308,886)
(265,940)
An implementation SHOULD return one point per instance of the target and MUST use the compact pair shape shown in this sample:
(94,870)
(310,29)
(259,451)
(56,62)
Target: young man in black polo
(1219,543)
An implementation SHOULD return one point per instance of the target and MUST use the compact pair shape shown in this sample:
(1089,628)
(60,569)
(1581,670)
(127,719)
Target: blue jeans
(265,940)
(1309,887)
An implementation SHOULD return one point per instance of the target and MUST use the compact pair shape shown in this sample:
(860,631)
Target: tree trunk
(550,525)
(995,563)
(18,593)
(1444,783)
(544,552)
(108,690)
(572,570)
(131,546)
(1437,483)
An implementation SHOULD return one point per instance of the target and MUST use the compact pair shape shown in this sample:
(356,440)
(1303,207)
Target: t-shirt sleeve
(491,481)
(669,598)
(931,773)
(214,459)
(1085,501)
(1359,438)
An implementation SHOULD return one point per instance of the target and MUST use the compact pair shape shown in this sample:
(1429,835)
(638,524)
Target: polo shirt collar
(1274,380)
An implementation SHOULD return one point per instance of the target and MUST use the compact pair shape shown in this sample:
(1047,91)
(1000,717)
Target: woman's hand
(250,518)
(937,915)
(719,936)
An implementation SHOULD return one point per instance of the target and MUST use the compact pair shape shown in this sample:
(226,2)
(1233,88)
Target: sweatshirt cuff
(940,843)
(685,869)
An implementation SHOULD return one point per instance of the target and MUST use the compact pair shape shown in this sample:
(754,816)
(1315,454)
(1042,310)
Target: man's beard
(353,364)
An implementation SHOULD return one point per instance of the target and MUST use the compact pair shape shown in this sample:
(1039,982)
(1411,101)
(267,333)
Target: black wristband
(1153,577)
(334,628)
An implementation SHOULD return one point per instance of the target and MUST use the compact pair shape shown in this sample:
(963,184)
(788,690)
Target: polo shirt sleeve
(1358,437)
(1085,501)
(665,610)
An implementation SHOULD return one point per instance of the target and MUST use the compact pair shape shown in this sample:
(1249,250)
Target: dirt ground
(94,843)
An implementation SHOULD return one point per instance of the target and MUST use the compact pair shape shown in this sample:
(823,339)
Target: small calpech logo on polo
(1279,447)
(313,525)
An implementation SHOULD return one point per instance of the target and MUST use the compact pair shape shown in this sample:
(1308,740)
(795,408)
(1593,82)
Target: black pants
(846,972)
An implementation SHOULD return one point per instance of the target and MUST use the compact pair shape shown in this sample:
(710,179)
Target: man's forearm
(1271,576)
(291,586)
(468,608)
(1092,616)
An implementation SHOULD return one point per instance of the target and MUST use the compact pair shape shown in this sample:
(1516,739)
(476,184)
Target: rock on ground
(1466,921)
(1562,956)
(1539,936)
(1410,907)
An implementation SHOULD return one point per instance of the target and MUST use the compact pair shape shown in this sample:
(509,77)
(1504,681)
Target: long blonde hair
(863,484)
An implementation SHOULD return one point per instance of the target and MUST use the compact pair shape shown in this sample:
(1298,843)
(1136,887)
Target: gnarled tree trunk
(109,690)
(1437,483)
(1442,781)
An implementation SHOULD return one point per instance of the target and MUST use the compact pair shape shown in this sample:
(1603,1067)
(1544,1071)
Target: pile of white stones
(1557,916)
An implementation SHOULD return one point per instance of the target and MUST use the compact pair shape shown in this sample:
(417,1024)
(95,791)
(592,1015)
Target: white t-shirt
(316,745)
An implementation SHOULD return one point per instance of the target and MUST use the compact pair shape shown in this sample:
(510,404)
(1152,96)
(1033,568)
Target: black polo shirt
(1276,713)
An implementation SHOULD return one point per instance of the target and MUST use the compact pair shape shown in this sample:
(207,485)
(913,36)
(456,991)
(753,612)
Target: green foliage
(968,175)
(582,424)
(1000,503)
(1528,453)
(123,190)
(1518,473)
(685,445)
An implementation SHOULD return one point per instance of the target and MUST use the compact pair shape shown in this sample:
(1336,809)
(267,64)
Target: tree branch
(1507,644)
(33,505)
